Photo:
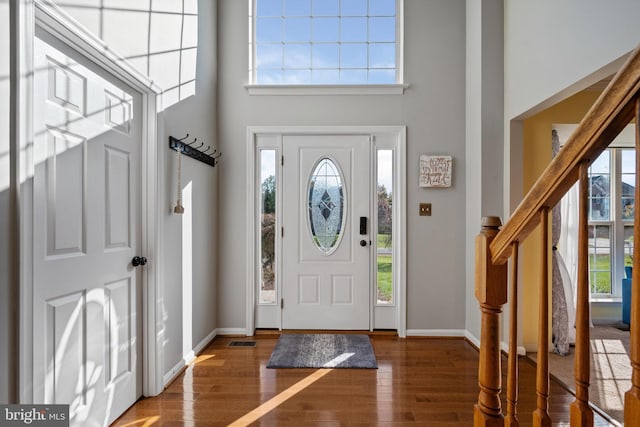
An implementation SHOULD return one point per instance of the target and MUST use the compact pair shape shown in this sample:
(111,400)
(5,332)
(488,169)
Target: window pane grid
(384,222)
(267,291)
(628,178)
(362,34)
(600,259)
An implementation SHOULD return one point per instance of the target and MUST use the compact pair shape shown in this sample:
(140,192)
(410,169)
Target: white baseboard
(232,331)
(456,333)
(504,346)
(188,358)
(436,332)
(205,342)
(471,337)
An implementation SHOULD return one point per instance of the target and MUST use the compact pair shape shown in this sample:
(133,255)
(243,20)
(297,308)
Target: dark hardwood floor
(419,382)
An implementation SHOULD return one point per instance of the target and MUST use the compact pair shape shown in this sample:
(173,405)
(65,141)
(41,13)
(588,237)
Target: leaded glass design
(326,205)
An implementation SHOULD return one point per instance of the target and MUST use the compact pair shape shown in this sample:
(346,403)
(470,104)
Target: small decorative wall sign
(435,171)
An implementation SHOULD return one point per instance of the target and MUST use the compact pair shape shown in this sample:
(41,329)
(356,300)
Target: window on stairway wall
(611,207)
(325,42)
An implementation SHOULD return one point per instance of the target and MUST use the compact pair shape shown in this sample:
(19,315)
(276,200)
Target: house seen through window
(611,207)
(324,42)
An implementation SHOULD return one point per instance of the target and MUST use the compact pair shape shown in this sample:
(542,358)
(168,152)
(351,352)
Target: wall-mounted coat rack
(195,150)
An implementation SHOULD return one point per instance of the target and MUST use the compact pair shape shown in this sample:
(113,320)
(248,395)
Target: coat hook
(207,155)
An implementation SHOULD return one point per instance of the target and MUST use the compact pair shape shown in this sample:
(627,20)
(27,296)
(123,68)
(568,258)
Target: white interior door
(86,293)
(326,256)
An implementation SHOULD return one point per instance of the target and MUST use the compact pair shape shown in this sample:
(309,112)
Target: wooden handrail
(613,110)
(616,107)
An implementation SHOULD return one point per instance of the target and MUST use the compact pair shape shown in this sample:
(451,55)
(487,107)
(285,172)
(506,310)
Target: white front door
(86,292)
(326,254)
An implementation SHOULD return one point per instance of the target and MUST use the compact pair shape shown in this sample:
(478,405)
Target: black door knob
(363,243)
(138,260)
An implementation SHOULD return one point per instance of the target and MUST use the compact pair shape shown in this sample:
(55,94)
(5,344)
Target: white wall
(174,42)
(553,50)
(551,45)
(195,115)
(4,200)
(433,109)
(484,133)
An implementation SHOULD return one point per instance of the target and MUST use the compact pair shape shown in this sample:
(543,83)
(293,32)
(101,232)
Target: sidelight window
(267,292)
(384,221)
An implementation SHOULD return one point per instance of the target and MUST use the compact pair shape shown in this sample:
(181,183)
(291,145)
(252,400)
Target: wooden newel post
(491,292)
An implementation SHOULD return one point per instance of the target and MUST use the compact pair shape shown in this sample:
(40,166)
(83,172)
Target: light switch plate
(425,209)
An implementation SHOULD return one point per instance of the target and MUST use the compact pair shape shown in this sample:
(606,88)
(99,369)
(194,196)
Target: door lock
(137,260)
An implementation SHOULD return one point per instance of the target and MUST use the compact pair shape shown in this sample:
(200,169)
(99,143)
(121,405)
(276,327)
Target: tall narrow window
(384,276)
(611,208)
(298,42)
(600,227)
(628,178)
(267,292)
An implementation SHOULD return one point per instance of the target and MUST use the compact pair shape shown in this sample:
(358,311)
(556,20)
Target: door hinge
(281,303)
(281,231)
(281,160)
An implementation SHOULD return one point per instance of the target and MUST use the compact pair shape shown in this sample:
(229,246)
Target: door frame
(398,134)
(45,15)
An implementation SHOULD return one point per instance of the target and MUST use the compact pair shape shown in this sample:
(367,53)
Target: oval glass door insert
(326,205)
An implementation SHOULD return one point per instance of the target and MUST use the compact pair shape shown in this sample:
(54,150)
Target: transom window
(325,42)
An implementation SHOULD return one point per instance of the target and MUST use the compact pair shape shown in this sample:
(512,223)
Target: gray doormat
(323,351)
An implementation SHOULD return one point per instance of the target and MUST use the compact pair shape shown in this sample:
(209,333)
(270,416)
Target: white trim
(336,89)
(400,42)
(55,20)
(388,89)
(251,230)
(188,358)
(437,333)
(232,332)
(400,202)
(401,229)
(47,16)
(22,83)
(472,338)
(173,372)
(504,346)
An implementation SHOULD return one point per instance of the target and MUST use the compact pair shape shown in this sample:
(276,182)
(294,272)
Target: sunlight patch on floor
(279,399)
(202,358)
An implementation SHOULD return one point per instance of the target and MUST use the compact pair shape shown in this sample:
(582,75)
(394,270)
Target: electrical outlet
(425,209)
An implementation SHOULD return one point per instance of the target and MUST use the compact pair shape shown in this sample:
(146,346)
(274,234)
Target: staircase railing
(497,247)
